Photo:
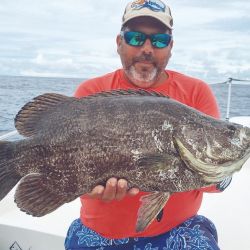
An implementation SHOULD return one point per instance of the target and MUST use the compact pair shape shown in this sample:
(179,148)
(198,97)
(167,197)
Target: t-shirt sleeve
(205,101)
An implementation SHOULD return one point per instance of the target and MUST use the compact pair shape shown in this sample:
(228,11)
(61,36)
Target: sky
(77,38)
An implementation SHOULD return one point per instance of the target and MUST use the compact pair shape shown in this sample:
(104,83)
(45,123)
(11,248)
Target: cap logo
(154,5)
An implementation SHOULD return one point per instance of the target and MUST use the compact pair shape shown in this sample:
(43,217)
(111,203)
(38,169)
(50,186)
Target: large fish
(154,142)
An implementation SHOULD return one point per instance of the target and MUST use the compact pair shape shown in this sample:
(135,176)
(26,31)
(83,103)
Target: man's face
(145,65)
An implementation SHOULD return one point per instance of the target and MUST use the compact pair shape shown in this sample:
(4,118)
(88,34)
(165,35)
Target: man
(108,214)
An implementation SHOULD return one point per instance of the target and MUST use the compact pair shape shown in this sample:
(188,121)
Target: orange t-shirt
(117,219)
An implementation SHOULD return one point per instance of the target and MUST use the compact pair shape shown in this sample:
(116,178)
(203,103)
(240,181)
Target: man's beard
(148,76)
(145,76)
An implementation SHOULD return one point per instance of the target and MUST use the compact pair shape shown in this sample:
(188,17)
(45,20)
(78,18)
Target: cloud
(77,38)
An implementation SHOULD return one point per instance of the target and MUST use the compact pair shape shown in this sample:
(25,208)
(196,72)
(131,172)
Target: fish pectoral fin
(33,197)
(154,160)
(151,206)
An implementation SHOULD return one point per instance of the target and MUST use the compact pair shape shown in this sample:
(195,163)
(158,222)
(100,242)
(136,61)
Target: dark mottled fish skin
(154,142)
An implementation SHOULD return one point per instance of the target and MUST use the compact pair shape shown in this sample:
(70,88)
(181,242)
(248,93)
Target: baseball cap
(152,8)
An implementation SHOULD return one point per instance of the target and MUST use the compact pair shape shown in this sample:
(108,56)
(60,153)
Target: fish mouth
(210,173)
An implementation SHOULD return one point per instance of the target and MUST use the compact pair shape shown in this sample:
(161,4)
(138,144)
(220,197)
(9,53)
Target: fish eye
(231,127)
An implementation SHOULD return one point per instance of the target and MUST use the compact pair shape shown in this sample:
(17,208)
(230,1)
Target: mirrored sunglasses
(137,39)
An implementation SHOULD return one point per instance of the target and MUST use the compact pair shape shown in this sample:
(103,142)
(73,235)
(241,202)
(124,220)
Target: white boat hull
(18,238)
(243,120)
(24,232)
(229,211)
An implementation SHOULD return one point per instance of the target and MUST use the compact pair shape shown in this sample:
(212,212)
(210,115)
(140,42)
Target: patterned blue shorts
(197,233)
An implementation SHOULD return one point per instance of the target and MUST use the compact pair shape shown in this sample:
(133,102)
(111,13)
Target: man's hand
(114,190)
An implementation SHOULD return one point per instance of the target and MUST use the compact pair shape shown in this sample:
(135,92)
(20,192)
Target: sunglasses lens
(160,40)
(134,38)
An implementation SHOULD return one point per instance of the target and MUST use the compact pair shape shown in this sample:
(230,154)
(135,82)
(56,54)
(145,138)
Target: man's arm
(205,101)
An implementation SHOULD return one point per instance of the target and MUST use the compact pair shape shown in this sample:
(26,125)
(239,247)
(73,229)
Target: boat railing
(7,135)
(230,81)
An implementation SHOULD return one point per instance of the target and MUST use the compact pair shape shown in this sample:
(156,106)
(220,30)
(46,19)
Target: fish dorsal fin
(127,92)
(33,112)
(33,117)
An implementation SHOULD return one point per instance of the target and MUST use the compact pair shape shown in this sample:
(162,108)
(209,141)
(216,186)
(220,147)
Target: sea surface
(15,91)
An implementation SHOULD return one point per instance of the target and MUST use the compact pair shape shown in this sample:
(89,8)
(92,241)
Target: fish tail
(8,175)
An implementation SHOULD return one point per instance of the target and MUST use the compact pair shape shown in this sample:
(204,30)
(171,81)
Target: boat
(228,210)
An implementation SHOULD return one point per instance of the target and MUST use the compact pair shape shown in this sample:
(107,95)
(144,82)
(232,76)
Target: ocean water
(15,91)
